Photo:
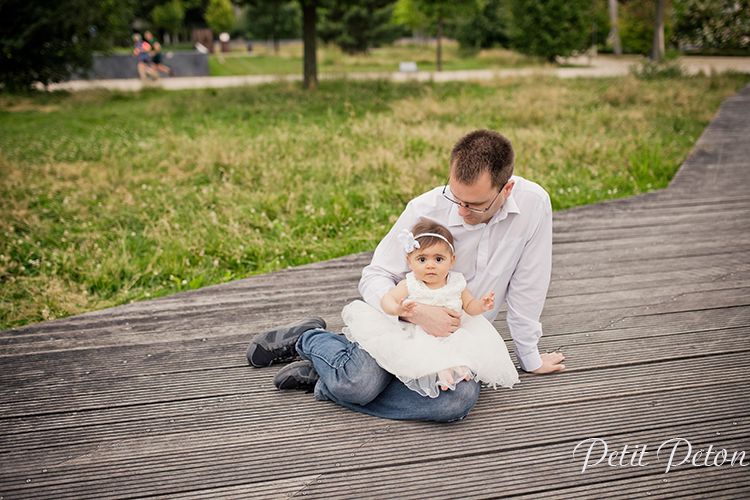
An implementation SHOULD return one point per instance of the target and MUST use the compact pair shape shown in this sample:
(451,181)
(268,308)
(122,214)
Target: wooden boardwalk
(649,301)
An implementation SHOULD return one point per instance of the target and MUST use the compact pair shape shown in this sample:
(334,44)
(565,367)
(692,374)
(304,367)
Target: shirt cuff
(530,362)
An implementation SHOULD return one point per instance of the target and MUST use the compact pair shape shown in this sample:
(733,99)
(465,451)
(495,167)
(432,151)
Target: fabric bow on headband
(410,243)
(407,239)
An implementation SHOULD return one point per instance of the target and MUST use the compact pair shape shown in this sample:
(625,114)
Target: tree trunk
(309,17)
(615,27)
(439,44)
(658,50)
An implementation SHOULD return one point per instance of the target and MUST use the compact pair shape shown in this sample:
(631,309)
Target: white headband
(410,242)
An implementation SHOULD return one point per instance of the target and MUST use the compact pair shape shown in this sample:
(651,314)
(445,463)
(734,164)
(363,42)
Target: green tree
(657,48)
(615,24)
(602,26)
(220,15)
(355,26)
(274,20)
(637,25)
(48,40)
(487,28)
(169,16)
(406,13)
(551,28)
(437,12)
(195,11)
(712,24)
(309,36)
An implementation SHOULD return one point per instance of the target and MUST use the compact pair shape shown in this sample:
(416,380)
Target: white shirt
(511,254)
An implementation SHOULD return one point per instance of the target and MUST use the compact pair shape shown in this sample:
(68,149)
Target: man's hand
(551,362)
(434,320)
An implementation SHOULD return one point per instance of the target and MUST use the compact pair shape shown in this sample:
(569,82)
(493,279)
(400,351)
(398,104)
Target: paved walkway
(602,66)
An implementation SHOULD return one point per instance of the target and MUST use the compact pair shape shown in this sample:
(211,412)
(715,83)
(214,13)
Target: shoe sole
(285,380)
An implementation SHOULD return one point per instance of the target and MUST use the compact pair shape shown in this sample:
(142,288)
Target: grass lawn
(109,197)
(288,60)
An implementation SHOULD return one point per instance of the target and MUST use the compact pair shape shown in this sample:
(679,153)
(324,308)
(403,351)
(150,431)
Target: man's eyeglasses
(477,210)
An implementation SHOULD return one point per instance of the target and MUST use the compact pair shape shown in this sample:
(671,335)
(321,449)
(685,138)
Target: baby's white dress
(416,357)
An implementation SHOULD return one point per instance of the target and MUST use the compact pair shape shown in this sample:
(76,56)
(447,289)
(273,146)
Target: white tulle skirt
(425,363)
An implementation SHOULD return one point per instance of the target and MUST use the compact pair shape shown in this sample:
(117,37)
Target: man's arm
(388,265)
(527,291)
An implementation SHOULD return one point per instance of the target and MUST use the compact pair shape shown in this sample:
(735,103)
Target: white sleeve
(527,290)
(388,265)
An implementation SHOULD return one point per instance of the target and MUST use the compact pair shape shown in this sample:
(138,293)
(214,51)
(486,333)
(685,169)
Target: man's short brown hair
(483,151)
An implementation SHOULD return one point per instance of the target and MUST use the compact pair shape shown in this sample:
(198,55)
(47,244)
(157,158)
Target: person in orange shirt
(141,51)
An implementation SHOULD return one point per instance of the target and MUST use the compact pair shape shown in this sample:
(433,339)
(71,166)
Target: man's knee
(357,386)
(348,372)
(303,342)
(459,402)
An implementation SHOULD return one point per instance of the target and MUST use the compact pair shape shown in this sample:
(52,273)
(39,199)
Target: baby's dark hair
(428,226)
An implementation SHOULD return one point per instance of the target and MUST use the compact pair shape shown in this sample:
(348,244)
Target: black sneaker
(277,345)
(298,375)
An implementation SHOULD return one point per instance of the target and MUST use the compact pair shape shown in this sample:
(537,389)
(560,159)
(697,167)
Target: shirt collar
(509,207)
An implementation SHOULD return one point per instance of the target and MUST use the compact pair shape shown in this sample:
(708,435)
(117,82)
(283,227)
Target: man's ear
(509,187)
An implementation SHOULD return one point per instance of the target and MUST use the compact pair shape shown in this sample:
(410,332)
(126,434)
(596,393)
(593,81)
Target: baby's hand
(488,301)
(405,308)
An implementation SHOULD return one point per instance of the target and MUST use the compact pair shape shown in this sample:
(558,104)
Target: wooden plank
(649,303)
(204,429)
(252,407)
(191,327)
(677,220)
(135,385)
(98,364)
(385,450)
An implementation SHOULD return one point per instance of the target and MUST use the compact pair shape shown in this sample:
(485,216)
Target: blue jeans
(350,377)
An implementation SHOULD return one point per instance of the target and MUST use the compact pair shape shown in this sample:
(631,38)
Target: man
(502,228)
(156,54)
